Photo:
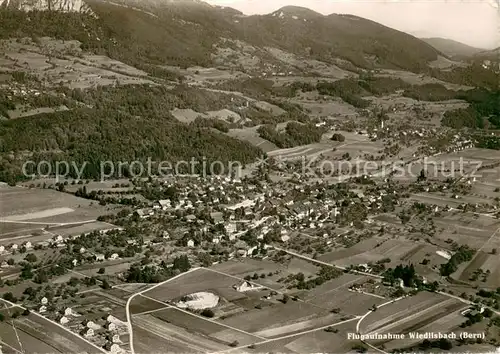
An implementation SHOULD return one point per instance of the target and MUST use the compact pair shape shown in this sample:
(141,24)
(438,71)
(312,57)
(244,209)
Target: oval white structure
(199,301)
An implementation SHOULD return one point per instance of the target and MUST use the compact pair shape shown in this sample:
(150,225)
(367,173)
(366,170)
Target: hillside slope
(452,48)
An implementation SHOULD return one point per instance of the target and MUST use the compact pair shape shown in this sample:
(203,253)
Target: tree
(285,299)
(207,313)
(422,177)
(444,344)
(205,259)
(30,257)
(359,348)
(234,344)
(105,285)
(9,297)
(73,281)
(41,277)
(182,263)
(338,137)
(2,317)
(29,291)
(101,271)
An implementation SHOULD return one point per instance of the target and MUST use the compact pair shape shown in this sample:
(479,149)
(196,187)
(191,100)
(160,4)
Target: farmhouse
(100,257)
(217,218)
(246,286)
(87,332)
(110,326)
(285,238)
(63,320)
(114,256)
(165,204)
(112,347)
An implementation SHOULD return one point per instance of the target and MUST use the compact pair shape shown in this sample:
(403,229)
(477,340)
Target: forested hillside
(120,124)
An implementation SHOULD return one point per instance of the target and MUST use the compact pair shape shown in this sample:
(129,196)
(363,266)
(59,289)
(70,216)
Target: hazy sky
(476,23)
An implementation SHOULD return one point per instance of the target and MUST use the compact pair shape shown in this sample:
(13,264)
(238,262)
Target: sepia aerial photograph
(249,176)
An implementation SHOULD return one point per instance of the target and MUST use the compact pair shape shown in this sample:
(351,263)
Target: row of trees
(462,254)
(156,274)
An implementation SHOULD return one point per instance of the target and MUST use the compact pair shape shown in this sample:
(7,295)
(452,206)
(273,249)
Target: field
(276,316)
(467,229)
(392,316)
(416,79)
(315,342)
(252,136)
(370,251)
(425,312)
(24,212)
(335,294)
(201,280)
(158,321)
(237,321)
(355,145)
(324,106)
(72,67)
(45,206)
(272,271)
(152,334)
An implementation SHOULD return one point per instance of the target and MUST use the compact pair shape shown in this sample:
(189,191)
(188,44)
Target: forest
(119,124)
(295,134)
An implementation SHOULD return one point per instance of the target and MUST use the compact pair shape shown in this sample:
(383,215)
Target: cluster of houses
(221,210)
(278,211)
(105,330)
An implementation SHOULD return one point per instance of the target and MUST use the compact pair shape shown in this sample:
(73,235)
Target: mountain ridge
(79,6)
(452,48)
(192,29)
